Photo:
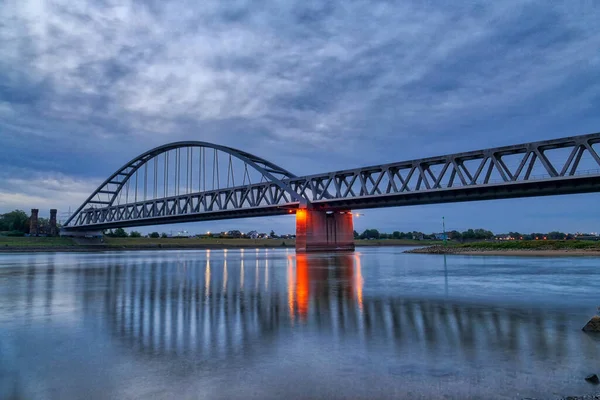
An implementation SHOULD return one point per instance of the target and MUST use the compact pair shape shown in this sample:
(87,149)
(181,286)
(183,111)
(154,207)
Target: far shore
(523,249)
(62,244)
(475,251)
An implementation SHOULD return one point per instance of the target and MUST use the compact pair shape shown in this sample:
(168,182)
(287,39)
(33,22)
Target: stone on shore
(593,325)
(593,379)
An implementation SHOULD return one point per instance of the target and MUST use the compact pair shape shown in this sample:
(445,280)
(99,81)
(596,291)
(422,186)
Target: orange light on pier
(300,215)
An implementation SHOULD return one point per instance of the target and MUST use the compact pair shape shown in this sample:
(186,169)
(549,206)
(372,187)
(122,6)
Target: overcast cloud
(310,85)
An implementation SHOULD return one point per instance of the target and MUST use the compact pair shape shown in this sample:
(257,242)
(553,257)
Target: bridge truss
(194,181)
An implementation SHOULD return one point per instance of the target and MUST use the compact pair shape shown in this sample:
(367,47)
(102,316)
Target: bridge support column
(324,231)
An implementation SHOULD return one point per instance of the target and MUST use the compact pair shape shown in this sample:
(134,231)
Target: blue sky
(310,85)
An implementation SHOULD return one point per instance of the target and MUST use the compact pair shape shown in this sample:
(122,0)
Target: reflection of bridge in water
(217,309)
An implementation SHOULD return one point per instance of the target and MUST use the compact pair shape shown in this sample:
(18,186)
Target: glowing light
(300,215)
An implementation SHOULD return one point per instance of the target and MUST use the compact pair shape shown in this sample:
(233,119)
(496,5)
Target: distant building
(440,236)
(504,237)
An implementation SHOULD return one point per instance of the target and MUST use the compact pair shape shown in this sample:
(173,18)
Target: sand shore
(509,252)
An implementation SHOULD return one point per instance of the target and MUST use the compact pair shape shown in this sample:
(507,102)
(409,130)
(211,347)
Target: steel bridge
(200,181)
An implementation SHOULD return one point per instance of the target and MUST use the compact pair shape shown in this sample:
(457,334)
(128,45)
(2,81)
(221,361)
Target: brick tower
(33,222)
(53,229)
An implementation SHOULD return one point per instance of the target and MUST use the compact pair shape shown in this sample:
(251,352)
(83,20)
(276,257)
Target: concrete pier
(318,230)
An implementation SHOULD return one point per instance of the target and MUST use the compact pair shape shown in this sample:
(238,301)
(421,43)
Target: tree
(120,232)
(43,225)
(356,235)
(455,235)
(272,235)
(554,235)
(154,235)
(16,220)
(396,234)
(164,235)
(370,234)
(135,234)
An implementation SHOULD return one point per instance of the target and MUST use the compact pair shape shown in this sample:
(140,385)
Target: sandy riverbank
(473,251)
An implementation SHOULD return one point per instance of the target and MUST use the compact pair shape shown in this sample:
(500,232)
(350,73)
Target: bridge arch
(109,192)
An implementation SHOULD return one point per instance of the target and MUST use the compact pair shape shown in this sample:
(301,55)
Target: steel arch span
(186,181)
(195,181)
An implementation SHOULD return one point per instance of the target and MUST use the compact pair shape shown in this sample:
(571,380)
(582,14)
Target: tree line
(468,235)
(16,223)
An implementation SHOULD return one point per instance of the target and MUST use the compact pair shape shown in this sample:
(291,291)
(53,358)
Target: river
(270,324)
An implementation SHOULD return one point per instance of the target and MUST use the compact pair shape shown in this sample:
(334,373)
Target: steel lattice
(559,166)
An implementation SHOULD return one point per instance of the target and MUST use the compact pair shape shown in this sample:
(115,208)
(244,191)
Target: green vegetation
(175,242)
(532,245)
(33,242)
(14,223)
(394,242)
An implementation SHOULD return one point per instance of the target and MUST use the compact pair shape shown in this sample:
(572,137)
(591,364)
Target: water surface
(267,324)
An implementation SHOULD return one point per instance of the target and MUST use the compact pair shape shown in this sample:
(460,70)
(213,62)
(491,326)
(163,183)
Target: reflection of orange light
(291,284)
(302,284)
(358,282)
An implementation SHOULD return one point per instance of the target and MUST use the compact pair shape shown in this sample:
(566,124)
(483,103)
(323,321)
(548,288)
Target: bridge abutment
(318,230)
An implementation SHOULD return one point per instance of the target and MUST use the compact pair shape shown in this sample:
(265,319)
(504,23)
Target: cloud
(43,191)
(312,86)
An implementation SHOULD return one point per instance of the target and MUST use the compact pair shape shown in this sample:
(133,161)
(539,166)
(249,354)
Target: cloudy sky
(311,85)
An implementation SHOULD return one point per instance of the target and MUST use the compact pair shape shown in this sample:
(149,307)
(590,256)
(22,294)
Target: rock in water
(593,379)
(593,325)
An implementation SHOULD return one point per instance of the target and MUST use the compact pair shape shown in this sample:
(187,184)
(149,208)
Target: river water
(270,324)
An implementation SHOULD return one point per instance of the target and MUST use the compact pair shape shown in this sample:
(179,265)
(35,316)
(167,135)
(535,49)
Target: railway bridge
(199,181)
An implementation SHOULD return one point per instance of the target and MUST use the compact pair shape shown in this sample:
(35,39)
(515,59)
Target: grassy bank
(58,243)
(196,243)
(395,242)
(35,242)
(540,247)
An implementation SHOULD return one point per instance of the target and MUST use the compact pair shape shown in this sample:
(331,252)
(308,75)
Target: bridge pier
(318,230)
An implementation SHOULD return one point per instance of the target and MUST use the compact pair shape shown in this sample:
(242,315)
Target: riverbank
(550,248)
(64,244)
